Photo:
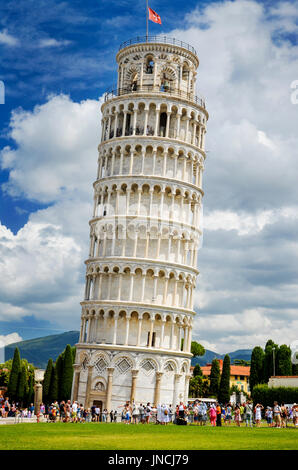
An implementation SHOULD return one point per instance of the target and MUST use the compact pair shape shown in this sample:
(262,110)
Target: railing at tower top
(153,89)
(159,40)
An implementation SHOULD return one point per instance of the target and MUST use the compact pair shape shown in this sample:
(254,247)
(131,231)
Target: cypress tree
(284,363)
(67,374)
(268,360)
(256,367)
(53,389)
(14,375)
(59,366)
(197,371)
(224,386)
(21,391)
(30,394)
(214,378)
(47,381)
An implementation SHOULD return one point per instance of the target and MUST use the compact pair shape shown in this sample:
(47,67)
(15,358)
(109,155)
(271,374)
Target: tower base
(109,376)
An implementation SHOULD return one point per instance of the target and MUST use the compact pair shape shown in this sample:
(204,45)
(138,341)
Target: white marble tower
(145,231)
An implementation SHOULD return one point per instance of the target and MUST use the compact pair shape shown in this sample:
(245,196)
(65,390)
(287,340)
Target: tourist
(171,413)
(6,407)
(237,415)
(181,410)
(242,412)
(258,414)
(202,413)
(104,415)
(158,415)
(228,414)
(165,419)
(86,415)
(93,415)
(62,411)
(248,412)
(134,412)
(128,412)
(269,416)
(277,414)
(283,415)
(196,414)
(295,414)
(111,416)
(218,414)
(74,411)
(141,410)
(97,413)
(212,416)
(148,411)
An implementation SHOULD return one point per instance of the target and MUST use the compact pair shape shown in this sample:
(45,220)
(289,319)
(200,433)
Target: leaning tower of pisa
(137,315)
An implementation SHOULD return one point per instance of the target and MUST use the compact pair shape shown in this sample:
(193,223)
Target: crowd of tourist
(196,413)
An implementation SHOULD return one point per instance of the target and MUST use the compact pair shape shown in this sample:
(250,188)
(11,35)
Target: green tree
(30,393)
(195,386)
(197,371)
(241,362)
(54,386)
(271,350)
(284,363)
(22,385)
(224,385)
(214,378)
(59,373)
(294,369)
(67,374)
(256,367)
(47,381)
(14,375)
(197,349)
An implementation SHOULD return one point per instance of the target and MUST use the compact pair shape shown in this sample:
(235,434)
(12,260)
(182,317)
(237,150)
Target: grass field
(111,436)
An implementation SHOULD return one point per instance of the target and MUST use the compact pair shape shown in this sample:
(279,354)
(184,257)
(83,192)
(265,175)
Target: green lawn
(120,436)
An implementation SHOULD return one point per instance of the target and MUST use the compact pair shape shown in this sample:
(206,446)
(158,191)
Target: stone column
(88,386)
(37,397)
(186,388)
(165,292)
(172,336)
(115,329)
(139,331)
(76,381)
(158,376)
(127,331)
(168,123)
(143,286)
(162,333)
(154,161)
(131,162)
(156,122)
(176,390)
(134,122)
(134,375)
(146,121)
(110,371)
(124,123)
(121,162)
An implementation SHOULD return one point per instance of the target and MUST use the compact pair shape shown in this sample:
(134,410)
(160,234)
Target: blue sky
(57,59)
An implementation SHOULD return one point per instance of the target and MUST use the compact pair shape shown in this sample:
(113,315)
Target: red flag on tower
(153,16)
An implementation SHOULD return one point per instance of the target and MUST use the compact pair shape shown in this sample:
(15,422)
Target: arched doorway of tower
(98,396)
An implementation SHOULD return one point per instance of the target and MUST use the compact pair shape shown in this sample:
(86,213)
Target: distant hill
(39,350)
(244,354)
